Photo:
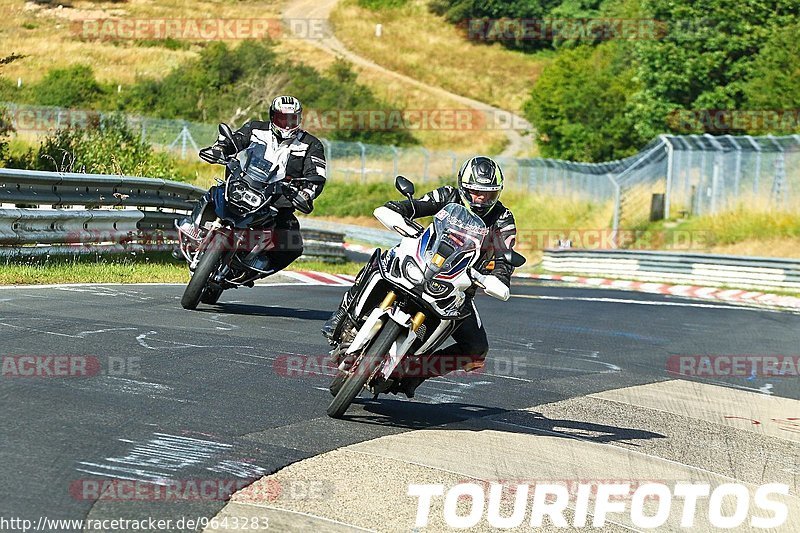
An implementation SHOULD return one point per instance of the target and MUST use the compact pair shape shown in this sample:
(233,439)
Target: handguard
(395,221)
(214,155)
(491,285)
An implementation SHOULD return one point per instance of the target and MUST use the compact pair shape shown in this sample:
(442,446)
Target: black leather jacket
(500,222)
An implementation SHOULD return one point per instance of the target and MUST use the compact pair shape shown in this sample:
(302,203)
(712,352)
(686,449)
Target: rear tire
(205,268)
(369,362)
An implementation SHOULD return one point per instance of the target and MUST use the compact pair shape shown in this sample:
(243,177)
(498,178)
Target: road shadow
(414,415)
(263,310)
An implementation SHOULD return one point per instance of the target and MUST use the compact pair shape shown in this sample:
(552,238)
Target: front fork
(373,325)
(212,228)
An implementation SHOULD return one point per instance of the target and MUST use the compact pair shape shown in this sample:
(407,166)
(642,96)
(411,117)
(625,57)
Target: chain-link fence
(705,174)
(689,175)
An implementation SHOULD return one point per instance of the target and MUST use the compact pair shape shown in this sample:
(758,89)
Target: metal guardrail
(353,232)
(117,214)
(707,269)
(68,188)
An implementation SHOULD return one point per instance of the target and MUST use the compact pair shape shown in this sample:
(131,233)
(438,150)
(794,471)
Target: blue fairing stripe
(423,242)
(453,272)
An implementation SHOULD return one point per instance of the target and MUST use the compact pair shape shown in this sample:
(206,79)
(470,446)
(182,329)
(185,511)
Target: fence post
(618,184)
(617,208)
(363,161)
(716,173)
(328,152)
(454,161)
(670,167)
(531,177)
(757,173)
(737,168)
(395,160)
(778,184)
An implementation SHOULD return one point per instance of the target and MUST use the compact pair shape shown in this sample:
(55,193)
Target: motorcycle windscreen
(458,234)
(258,169)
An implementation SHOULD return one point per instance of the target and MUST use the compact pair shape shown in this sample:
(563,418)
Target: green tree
(580,105)
(234,84)
(705,57)
(774,81)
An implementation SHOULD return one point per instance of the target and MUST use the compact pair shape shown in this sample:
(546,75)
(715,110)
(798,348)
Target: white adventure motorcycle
(413,301)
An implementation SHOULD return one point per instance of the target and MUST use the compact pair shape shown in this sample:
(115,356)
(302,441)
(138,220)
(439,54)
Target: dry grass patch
(424,46)
(49,37)
(400,95)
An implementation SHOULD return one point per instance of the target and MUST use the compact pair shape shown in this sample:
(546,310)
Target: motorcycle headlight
(413,272)
(243,194)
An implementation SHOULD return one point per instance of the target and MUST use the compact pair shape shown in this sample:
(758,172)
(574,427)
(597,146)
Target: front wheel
(211,295)
(363,369)
(205,268)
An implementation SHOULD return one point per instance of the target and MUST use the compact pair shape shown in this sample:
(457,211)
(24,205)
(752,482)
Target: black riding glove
(399,207)
(299,199)
(219,152)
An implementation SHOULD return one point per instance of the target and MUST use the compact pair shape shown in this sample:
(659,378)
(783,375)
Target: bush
(70,87)
(235,84)
(110,148)
(5,130)
(461,11)
(377,5)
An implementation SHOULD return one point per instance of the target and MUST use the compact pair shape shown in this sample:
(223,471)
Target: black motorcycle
(225,243)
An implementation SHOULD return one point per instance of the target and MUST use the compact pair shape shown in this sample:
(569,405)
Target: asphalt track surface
(210,375)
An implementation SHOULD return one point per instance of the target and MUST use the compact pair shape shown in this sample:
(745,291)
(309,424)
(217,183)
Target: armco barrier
(33,226)
(94,213)
(68,188)
(704,269)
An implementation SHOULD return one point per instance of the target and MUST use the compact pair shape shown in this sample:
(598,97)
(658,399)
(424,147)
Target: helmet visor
(482,197)
(286,121)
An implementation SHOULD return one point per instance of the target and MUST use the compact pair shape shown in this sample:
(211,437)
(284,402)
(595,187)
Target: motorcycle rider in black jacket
(480,182)
(301,159)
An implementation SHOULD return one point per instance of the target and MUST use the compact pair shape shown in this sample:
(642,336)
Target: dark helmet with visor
(480,182)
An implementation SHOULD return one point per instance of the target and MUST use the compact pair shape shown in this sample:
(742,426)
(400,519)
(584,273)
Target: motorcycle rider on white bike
(480,182)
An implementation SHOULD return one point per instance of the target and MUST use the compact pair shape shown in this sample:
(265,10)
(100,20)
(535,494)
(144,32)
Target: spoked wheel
(363,368)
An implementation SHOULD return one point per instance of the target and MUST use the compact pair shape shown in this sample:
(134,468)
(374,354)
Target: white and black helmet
(285,116)
(480,182)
